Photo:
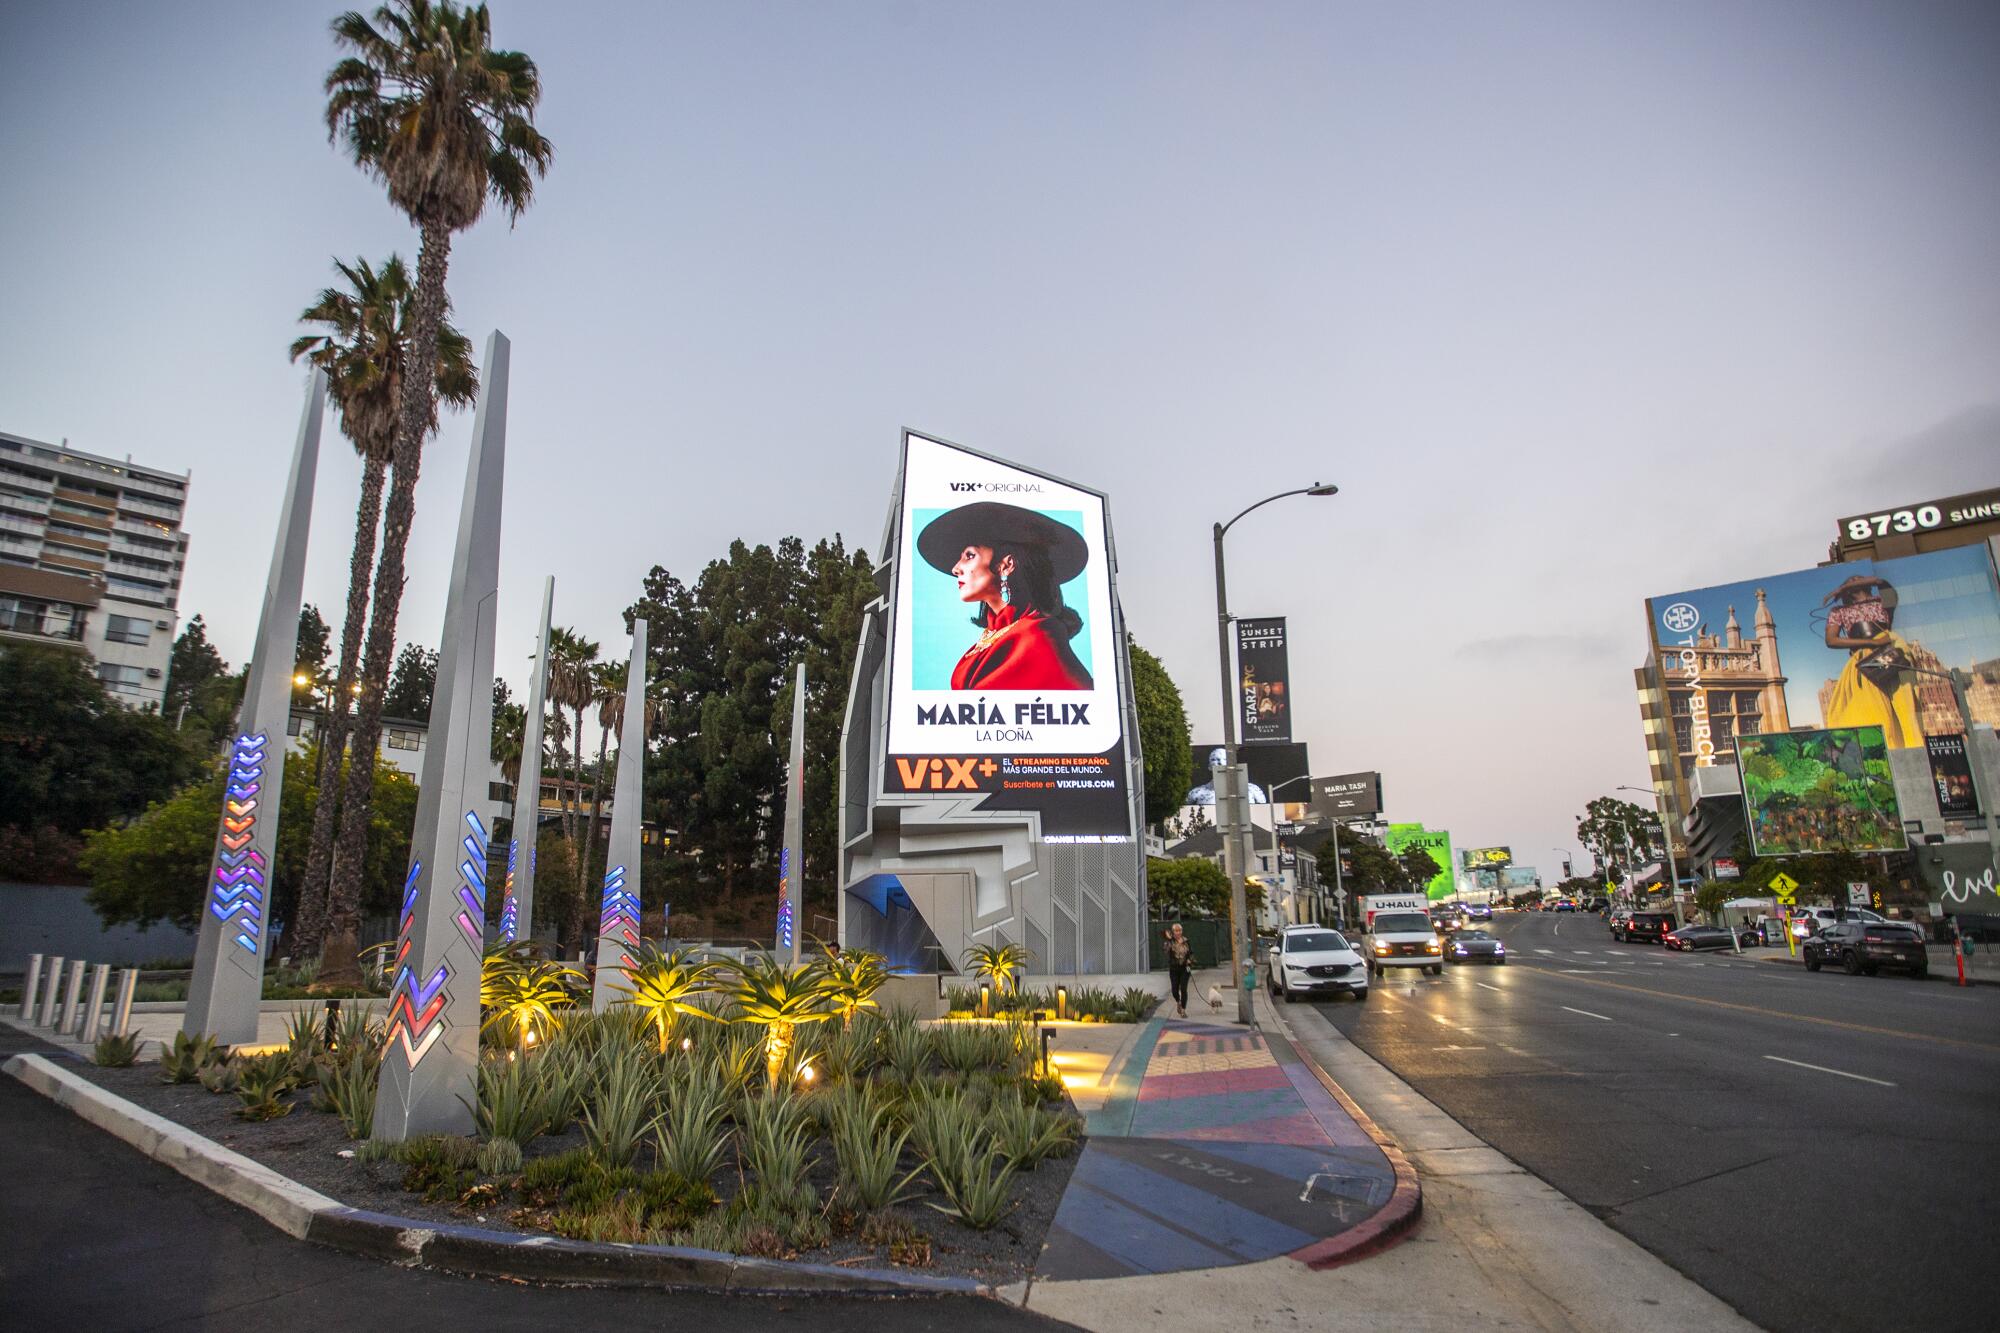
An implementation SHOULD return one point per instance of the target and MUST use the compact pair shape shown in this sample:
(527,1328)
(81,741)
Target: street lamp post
(1234,854)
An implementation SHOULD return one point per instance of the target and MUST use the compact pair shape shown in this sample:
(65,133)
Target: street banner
(1005,684)
(1263,681)
(1951,774)
(1349,796)
(1820,791)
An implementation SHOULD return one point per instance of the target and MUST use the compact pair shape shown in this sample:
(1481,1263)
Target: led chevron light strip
(621,912)
(471,916)
(414,1008)
(510,911)
(237,893)
(785,898)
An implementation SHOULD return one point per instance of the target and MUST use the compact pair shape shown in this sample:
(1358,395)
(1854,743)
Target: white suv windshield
(1387,922)
(1316,941)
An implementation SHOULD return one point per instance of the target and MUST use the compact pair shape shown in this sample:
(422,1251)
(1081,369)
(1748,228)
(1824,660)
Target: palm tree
(572,659)
(664,984)
(998,962)
(853,976)
(425,105)
(363,346)
(608,681)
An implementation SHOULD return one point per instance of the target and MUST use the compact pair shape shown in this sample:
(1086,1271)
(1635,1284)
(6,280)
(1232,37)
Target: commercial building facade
(91,557)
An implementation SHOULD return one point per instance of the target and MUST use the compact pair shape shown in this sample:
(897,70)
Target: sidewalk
(1981,967)
(1218,1146)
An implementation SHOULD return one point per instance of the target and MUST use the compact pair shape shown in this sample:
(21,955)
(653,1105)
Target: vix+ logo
(236,895)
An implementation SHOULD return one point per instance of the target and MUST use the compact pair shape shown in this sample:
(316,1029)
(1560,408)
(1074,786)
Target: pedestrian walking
(1180,966)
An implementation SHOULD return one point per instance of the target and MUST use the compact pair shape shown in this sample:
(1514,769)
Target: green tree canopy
(1186,886)
(1164,740)
(412,684)
(1608,824)
(155,867)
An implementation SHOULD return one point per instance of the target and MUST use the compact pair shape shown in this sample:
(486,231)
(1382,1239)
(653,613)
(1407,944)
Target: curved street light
(1234,854)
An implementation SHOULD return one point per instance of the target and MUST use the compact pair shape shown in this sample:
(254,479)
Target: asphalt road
(95,1236)
(1815,1149)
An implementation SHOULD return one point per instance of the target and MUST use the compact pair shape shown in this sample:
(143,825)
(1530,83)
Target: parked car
(1807,921)
(1615,919)
(1317,960)
(1867,947)
(1644,927)
(1474,946)
(1403,939)
(1689,938)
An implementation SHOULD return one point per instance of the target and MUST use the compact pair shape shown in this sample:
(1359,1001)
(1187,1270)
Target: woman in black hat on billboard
(1013,563)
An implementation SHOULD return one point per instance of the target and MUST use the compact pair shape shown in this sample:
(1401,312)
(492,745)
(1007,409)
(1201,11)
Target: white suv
(1808,921)
(1316,960)
(1403,939)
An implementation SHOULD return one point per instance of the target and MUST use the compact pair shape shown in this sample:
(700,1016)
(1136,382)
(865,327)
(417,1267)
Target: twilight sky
(1577,302)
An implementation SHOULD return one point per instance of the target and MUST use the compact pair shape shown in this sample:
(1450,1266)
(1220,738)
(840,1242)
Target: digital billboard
(1517,877)
(1349,796)
(1402,837)
(1867,643)
(1004,669)
(1820,791)
(1278,773)
(1263,681)
(1489,856)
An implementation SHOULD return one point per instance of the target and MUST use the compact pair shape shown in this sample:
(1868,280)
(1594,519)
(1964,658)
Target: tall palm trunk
(350,853)
(311,929)
(596,791)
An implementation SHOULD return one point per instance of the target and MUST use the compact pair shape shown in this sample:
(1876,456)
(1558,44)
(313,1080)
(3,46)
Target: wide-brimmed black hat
(990,524)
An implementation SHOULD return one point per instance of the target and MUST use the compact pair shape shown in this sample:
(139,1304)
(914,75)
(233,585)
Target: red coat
(1020,652)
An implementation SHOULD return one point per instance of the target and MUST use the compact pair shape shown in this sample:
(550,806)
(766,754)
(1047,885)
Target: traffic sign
(1785,886)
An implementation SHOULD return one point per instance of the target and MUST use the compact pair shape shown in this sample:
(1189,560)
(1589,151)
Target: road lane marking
(1481,983)
(1762,1011)
(1861,1078)
(1587,1014)
(1545,951)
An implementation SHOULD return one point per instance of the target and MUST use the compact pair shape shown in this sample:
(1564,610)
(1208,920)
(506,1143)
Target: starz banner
(1263,679)
(1951,774)
(1005,675)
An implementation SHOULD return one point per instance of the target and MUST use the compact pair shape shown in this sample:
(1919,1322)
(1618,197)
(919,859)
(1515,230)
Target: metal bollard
(48,1013)
(93,1008)
(72,996)
(121,1014)
(29,984)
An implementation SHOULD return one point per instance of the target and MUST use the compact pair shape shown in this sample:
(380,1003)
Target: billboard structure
(1263,681)
(1278,773)
(989,772)
(1477,857)
(1820,791)
(1861,644)
(1402,837)
(1349,796)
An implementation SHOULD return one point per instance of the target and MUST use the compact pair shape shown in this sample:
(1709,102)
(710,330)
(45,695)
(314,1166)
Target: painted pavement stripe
(1127,1234)
(1220,1082)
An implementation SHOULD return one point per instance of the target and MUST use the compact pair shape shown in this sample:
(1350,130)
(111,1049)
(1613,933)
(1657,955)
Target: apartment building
(91,557)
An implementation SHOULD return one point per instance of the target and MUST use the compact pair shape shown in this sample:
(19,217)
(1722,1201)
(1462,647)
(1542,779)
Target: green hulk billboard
(1820,791)
(1404,837)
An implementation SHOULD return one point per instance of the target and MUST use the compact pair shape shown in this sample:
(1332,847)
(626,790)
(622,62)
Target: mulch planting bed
(308,1146)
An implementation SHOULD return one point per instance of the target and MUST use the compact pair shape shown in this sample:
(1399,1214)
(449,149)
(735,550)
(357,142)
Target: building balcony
(41,628)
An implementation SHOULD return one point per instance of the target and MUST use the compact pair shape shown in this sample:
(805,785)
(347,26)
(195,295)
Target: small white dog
(1215,998)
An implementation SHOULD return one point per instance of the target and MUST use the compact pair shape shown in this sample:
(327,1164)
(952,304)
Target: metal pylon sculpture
(229,954)
(517,907)
(618,921)
(791,856)
(429,1080)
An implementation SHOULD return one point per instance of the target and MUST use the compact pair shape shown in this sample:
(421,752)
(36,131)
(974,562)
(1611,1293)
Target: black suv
(1868,947)
(1645,927)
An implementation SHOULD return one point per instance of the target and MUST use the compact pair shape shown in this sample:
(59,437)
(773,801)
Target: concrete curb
(308,1215)
(1405,1208)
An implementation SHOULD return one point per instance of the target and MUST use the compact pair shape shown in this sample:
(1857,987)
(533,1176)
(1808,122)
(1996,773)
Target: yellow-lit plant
(778,999)
(853,977)
(999,963)
(519,993)
(663,984)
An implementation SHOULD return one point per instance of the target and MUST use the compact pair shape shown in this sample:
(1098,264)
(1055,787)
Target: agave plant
(519,994)
(666,983)
(778,999)
(998,963)
(182,1060)
(854,976)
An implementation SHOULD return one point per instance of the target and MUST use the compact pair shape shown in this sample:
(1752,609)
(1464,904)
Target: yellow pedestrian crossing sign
(1786,887)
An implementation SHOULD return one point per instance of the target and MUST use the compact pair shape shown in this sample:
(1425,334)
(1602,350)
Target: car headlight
(1434,947)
